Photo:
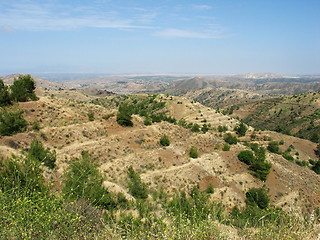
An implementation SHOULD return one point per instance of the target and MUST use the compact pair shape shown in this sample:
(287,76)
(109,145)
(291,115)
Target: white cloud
(211,32)
(202,7)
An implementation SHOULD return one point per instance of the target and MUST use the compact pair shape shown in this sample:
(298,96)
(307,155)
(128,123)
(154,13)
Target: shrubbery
(258,197)
(11,122)
(137,188)
(228,138)
(4,95)
(41,154)
(84,181)
(193,153)
(164,141)
(241,129)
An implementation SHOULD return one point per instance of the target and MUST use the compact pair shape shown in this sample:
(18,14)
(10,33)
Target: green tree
(22,89)
(137,188)
(90,115)
(11,122)
(193,153)
(41,154)
(316,167)
(124,119)
(258,197)
(164,141)
(4,95)
(195,128)
(247,157)
(241,129)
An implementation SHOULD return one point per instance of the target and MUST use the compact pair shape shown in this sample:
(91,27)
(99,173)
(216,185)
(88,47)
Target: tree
(11,122)
(137,188)
(4,95)
(193,153)
(247,157)
(241,129)
(164,141)
(316,167)
(124,119)
(22,89)
(258,197)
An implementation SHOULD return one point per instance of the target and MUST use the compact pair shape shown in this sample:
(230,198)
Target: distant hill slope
(39,82)
(297,114)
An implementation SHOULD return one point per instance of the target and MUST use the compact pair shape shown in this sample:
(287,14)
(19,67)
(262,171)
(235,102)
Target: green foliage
(193,153)
(195,128)
(124,117)
(137,188)
(288,156)
(147,121)
(210,189)
(36,126)
(273,147)
(247,157)
(164,141)
(205,128)
(11,122)
(21,176)
(261,169)
(107,116)
(4,95)
(90,115)
(83,180)
(226,147)
(241,129)
(22,89)
(316,167)
(222,128)
(228,138)
(258,197)
(41,154)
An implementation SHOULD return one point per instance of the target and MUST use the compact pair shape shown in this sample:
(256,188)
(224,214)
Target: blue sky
(160,36)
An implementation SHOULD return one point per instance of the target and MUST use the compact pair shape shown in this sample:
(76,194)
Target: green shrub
(147,121)
(228,138)
(164,141)
(316,167)
(124,119)
(247,157)
(90,115)
(195,128)
(36,126)
(226,147)
(107,116)
(83,180)
(258,197)
(210,189)
(288,156)
(193,153)
(11,122)
(261,169)
(39,153)
(4,95)
(273,147)
(22,89)
(137,188)
(205,128)
(241,129)
(222,128)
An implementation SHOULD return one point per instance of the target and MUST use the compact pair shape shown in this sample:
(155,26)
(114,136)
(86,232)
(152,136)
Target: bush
(164,141)
(90,115)
(247,157)
(124,119)
(258,197)
(261,169)
(11,122)
(195,128)
(36,126)
(193,153)
(137,188)
(226,147)
(4,95)
(222,128)
(273,147)
(39,153)
(241,129)
(316,167)
(147,121)
(83,180)
(22,89)
(228,138)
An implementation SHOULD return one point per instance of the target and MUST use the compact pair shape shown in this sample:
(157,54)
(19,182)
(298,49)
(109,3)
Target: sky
(160,36)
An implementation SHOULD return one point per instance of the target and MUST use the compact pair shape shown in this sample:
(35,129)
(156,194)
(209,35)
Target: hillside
(296,115)
(72,123)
